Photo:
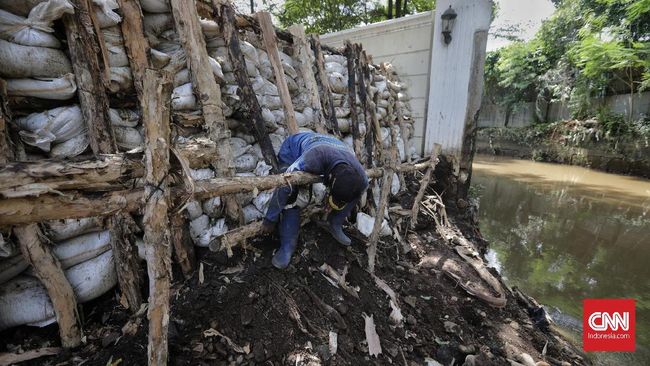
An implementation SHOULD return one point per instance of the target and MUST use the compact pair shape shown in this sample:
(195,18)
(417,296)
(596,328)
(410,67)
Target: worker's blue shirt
(313,153)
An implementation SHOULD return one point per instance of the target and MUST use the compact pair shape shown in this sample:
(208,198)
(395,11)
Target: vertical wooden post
(6,153)
(270,43)
(48,269)
(306,58)
(424,183)
(84,49)
(187,24)
(183,246)
(352,96)
(363,75)
(389,168)
(126,259)
(324,87)
(156,116)
(135,43)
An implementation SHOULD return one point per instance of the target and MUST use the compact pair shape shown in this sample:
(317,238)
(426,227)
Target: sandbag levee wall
(99,94)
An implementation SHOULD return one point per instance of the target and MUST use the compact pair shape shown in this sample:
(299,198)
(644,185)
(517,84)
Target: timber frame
(114,185)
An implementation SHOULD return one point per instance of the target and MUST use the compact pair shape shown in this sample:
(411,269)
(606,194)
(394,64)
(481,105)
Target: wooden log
(15,358)
(6,152)
(135,43)
(84,48)
(183,246)
(48,269)
(324,87)
(270,43)
(230,34)
(383,201)
(234,237)
(424,183)
(107,172)
(156,118)
(363,75)
(303,52)
(127,263)
(350,53)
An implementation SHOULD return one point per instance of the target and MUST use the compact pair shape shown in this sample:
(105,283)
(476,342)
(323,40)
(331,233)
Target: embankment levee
(627,156)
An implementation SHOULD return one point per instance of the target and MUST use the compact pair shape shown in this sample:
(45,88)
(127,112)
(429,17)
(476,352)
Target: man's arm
(280,197)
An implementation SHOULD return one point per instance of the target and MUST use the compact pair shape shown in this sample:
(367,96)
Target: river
(564,233)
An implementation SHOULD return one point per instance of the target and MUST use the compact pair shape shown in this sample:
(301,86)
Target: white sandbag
(251,68)
(270,101)
(394,86)
(245,163)
(212,206)
(279,116)
(261,202)
(194,210)
(251,213)
(342,112)
(380,85)
(70,148)
(157,23)
(394,184)
(344,124)
(365,223)
(262,86)
(115,46)
(35,30)
(336,58)
(385,137)
(104,13)
(292,85)
(92,278)
(319,191)
(338,82)
(198,226)
(276,140)
(22,7)
(7,248)
(12,267)
(82,248)
(250,52)
(54,125)
(400,149)
(183,98)
(349,140)
(62,88)
(362,129)
(239,146)
(262,169)
(182,77)
(218,229)
(59,230)
(305,118)
(121,79)
(210,28)
(32,62)
(23,300)
(289,70)
(216,68)
(331,67)
(155,6)
(268,117)
(202,174)
(127,138)
(124,117)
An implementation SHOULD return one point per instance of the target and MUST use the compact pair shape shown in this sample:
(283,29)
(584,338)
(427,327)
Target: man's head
(345,186)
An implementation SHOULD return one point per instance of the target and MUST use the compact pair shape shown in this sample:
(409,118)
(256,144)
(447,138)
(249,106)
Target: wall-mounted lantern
(448,20)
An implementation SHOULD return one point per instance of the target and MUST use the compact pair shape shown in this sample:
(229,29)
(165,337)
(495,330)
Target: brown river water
(564,233)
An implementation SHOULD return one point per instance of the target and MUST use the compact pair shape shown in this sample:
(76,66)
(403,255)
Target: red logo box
(608,325)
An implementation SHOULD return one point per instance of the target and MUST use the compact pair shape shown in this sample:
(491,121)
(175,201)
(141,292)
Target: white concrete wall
(405,43)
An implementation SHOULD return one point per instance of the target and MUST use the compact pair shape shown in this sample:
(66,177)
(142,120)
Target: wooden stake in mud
(183,247)
(127,264)
(48,269)
(193,41)
(324,87)
(135,43)
(350,53)
(84,47)
(305,56)
(229,31)
(156,118)
(6,153)
(424,183)
(270,43)
(363,74)
(383,200)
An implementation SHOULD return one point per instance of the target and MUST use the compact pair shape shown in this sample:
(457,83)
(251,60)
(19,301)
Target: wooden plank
(230,34)
(424,183)
(14,358)
(48,269)
(350,53)
(84,49)
(303,52)
(189,30)
(135,43)
(127,262)
(156,119)
(324,87)
(270,43)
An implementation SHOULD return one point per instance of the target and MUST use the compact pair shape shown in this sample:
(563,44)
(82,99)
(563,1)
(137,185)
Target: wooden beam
(48,269)
(6,152)
(350,53)
(189,30)
(324,87)
(156,119)
(84,48)
(107,172)
(424,183)
(183,246)
(230,34)
(363,76)
(270,43)
(303,52)
(135,43)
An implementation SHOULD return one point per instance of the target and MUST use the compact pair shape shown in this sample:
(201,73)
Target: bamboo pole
(48,269)
(324,87)
(303,52)
(424,183)
(156,118)
(270,43)
(230,34)
(84,47)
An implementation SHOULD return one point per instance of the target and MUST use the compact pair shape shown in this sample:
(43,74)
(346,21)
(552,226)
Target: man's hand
(267,227)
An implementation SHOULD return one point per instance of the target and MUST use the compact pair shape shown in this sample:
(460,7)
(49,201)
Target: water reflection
(565,233)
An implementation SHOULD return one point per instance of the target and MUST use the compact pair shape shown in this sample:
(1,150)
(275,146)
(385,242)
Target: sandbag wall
(46,115)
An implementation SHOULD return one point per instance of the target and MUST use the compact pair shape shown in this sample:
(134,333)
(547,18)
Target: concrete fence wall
(524,114)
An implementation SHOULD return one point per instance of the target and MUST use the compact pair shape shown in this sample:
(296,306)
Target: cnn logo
(601,321)
(608,325)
